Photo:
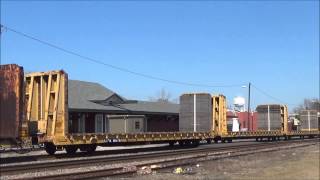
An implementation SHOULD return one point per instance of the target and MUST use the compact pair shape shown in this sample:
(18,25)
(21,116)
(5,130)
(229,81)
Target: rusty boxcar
(12,109)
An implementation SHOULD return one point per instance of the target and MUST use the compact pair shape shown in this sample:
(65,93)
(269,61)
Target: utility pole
(249,93)
(2,29)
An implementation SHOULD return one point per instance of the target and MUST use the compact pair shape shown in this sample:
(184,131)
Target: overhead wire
(3,27)
(113,66)
(270,96)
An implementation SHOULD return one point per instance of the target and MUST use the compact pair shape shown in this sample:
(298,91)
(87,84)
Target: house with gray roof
(94,108)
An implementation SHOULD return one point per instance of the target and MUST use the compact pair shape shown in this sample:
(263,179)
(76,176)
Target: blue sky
(274,45)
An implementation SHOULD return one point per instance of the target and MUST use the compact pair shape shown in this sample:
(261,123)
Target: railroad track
(168,159)
(46,157)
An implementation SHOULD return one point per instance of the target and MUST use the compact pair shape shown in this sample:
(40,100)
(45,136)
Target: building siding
(162,123)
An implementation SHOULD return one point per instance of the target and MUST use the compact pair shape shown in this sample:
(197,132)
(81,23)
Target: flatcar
(34,110)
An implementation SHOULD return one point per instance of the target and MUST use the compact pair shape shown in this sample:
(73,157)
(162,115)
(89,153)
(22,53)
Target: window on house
(70,128)
(106,124)
(99,123)
(81,123)
(137,125)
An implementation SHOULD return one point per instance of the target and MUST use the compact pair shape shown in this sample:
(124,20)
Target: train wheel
(195,143)
(171,143)
(229,140)
(88,148)
(181,143)
(208,141)
(71,149)
(50,148)
(92,148)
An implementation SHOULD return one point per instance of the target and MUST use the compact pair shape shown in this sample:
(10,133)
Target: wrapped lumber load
(269,117)
(195,112)
(309,120)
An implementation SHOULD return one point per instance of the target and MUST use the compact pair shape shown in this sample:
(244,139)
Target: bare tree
(162,96)
(308,104)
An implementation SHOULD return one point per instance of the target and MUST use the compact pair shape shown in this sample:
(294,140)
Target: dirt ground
(292,164)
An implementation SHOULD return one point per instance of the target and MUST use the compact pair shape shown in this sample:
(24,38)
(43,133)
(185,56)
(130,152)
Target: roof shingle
(89,96)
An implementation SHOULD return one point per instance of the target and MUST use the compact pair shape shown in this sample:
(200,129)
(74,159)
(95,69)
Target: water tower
(239,104)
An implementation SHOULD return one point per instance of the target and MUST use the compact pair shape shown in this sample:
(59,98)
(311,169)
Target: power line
(270,96)
(113,66)
(5,28)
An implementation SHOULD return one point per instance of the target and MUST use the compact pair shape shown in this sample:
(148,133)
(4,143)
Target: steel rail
(36,167)
(163,164)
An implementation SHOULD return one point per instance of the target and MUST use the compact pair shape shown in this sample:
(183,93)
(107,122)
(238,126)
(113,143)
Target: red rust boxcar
(12,109)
